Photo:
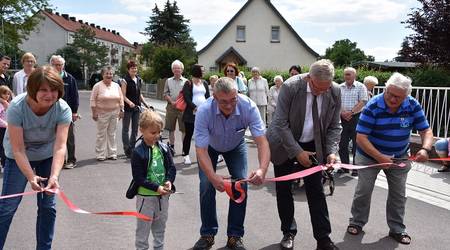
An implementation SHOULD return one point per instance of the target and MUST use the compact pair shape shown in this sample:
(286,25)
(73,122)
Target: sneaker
(187,160)
(219,159)
(70,165)
(288,241)
(235,242)
(354,172)
(101,158)
(113,157)
(204,243)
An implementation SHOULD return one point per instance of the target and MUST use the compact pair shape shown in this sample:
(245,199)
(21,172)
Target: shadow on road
(355,242)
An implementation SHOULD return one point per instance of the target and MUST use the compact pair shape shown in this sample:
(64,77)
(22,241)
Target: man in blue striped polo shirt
(383,133)
(220,125)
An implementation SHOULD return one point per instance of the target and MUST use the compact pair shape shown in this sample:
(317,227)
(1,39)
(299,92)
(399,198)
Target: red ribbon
(228,184)
(76,209)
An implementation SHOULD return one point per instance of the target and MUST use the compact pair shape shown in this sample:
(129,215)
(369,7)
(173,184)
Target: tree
(17,19)
(73,62)
(168,33)
(431,24)
(92,54)
(344,53)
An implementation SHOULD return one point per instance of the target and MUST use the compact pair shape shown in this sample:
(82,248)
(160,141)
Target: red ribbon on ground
(76,209)
(228,184)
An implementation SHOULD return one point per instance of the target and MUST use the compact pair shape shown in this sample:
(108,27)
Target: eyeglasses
(228,102)
(389,95)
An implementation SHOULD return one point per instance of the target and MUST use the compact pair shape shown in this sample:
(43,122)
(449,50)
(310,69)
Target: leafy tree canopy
(17,20)
(344,53)
(430,42)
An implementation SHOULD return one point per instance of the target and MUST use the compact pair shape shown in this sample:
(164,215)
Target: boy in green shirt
(154,173)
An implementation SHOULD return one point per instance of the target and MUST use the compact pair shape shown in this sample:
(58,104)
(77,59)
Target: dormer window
(275,34)
(240,33)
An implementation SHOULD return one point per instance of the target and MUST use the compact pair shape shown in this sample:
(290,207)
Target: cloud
(382,53)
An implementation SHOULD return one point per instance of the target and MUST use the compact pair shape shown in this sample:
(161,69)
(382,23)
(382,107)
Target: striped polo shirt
(390,132)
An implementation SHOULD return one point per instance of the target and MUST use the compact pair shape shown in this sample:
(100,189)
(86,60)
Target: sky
(375,25)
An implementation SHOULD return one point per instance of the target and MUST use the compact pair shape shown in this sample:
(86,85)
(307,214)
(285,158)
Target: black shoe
(235,243)
(204,243)
(354,172)
(327,245)
(288,241)
(444,169)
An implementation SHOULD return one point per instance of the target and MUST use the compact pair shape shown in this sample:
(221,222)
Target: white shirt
(20,82)
(198,94)
(308,126)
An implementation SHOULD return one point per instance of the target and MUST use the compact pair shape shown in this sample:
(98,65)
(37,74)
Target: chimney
(118,33)
(92,25)
(104,29)
(49,10)
(114,32)
(66,16)
(109,30)
(98,26)
(73,19)
(80,21)
(86,23)
(57,13)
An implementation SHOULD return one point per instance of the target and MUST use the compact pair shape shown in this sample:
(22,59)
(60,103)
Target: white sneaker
(187,160)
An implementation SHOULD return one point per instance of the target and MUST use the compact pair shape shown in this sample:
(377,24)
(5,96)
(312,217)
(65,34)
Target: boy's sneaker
(187,160)
(204,243)
(235,243)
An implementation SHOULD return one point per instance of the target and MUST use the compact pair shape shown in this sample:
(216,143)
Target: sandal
(354,229)
(444,168)
(402,238)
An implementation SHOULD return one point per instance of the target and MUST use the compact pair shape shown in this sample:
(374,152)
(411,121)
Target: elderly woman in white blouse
(19,83)
(258,89)
(273,97)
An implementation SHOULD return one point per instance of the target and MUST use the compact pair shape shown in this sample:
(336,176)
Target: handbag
(180,103)
(132,190)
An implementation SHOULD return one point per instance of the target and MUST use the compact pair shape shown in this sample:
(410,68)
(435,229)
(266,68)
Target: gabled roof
(299,39)
(387,65)
(73,25)
(231,50)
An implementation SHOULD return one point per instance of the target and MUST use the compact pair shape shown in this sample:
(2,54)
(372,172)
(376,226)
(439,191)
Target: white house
(55,31)
(257,35)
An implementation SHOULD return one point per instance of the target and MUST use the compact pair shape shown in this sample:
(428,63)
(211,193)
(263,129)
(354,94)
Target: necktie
(317,131)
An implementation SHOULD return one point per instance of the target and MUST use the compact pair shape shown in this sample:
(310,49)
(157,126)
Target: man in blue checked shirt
(220,126)
(383,134)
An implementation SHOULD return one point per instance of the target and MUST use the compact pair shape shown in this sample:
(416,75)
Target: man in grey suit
(306,128)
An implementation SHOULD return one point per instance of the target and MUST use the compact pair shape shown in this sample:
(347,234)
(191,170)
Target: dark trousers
(2,149)
(129,139)
(189,131)
(318,209)
(71,144)
(348,133)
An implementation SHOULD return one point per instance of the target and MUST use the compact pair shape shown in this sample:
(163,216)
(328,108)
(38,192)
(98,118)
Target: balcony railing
(435,102)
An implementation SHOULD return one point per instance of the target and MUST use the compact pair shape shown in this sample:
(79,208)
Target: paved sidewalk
(424,182)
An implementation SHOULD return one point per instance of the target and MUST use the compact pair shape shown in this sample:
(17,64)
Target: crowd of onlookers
(302,121)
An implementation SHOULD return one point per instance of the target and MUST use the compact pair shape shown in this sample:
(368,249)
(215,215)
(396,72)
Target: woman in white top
(273,97)
(195,93)
(258,89)
(21,77)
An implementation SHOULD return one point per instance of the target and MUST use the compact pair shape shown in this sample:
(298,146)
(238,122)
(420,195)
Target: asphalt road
(101,186)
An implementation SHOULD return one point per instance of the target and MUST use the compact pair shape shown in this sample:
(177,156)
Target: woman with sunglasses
(232,72)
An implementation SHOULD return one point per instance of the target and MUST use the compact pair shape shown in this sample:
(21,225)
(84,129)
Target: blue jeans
(396,200)
(236,161)
(14,182)
(128,140)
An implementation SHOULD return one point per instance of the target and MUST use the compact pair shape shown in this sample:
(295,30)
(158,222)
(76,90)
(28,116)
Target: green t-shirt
(155,171)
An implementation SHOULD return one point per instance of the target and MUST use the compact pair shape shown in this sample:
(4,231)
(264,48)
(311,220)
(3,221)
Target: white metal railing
(435,102)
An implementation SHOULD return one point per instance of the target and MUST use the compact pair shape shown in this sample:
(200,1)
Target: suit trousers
(348,133)
(318,209)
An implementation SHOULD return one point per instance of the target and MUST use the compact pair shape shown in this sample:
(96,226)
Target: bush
(429,77)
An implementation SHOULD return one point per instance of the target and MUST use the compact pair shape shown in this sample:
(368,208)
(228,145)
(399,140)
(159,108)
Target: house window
(240,33)
(275,34)
(212,69)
